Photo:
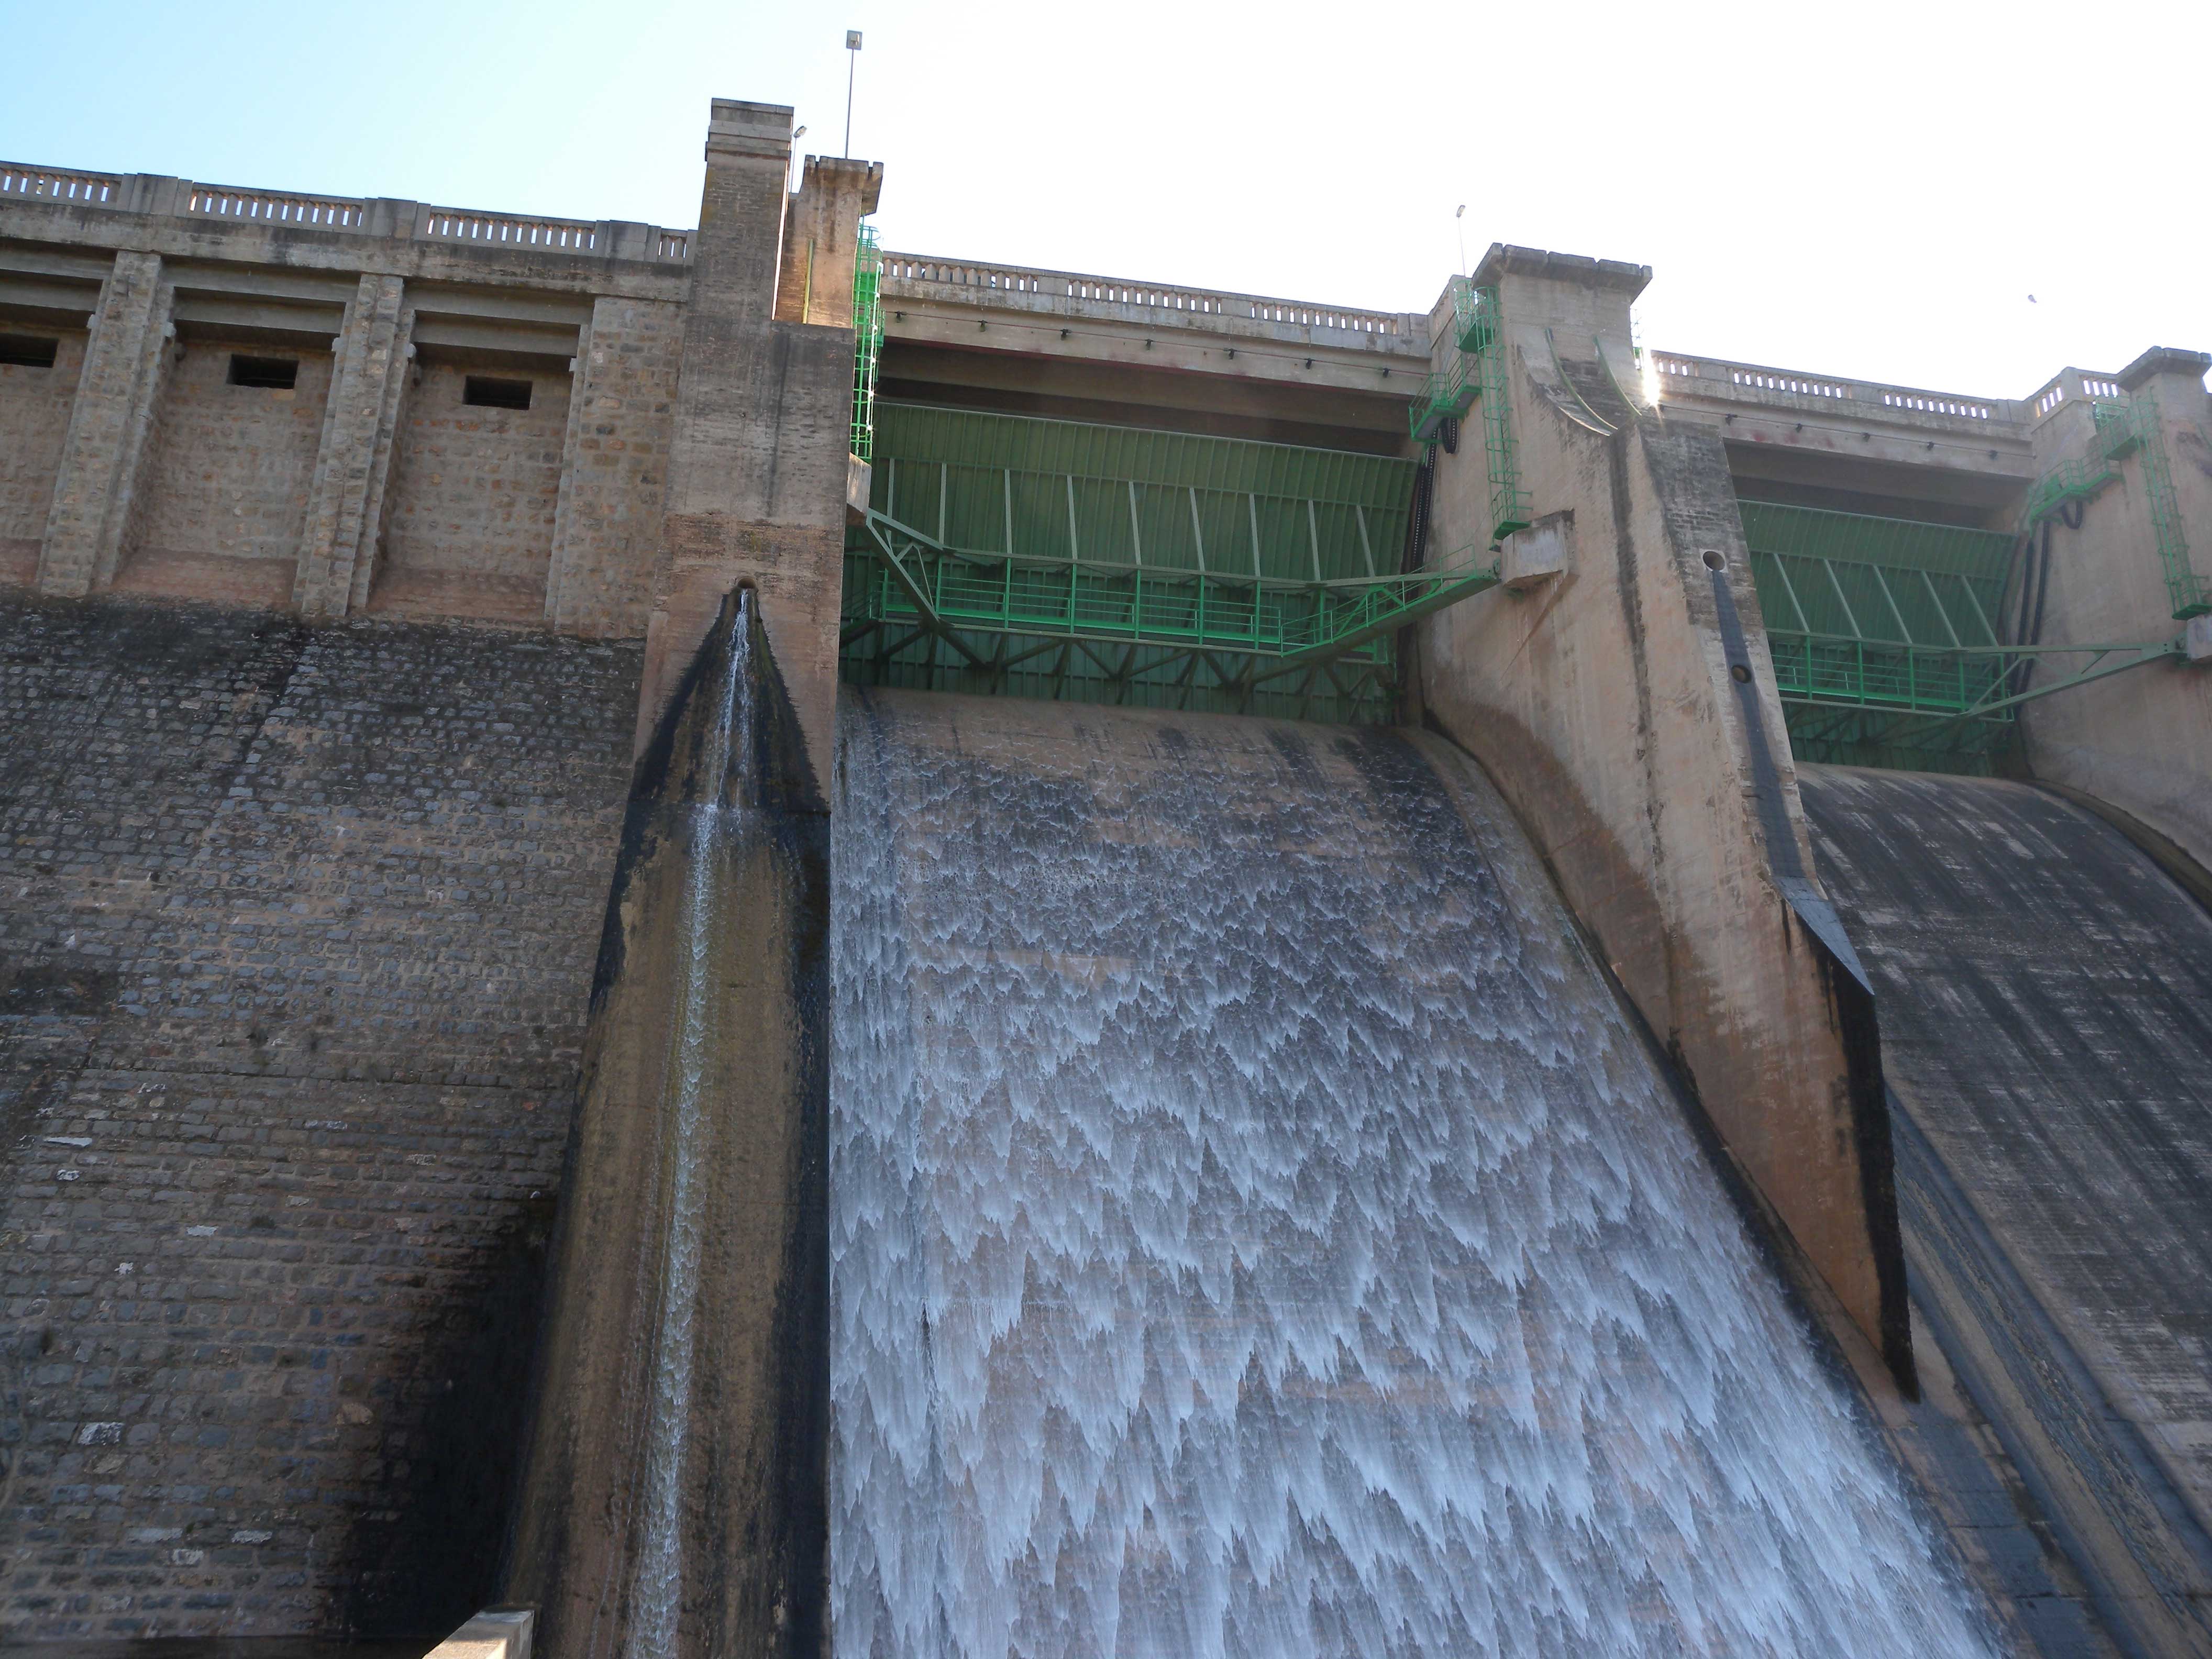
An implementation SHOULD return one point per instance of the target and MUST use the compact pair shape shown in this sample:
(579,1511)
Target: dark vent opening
(275,373)
(27,351)
(486,392)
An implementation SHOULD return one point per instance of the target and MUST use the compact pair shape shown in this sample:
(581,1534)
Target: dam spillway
(1256,1230)
(2044,987)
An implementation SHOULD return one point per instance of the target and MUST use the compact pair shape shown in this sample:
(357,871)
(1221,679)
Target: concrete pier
(674,1499)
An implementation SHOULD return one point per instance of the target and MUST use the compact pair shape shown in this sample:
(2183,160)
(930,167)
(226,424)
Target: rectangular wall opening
(222,500)
(28,350)
(271,374)
(474,489)
(482,391)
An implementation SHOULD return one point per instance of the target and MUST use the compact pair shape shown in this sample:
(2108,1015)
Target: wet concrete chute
(714,941)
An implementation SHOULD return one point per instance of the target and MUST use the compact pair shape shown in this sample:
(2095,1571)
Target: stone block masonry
(296,935)
(473,496)
(226,490)
(34,413)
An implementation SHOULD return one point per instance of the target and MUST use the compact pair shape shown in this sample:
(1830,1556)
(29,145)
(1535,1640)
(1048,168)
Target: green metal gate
(1062,559)
(1889,641)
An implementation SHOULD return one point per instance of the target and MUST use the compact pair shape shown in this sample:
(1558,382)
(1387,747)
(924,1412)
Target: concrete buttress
(1627,709)
(675,1497)
(757,471)
(87,526)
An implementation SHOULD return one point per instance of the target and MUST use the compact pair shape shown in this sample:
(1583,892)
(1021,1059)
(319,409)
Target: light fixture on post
(852,62)
(1459,218)
(797,133)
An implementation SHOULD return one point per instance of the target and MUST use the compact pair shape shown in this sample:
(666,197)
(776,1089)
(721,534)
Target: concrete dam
(714,941)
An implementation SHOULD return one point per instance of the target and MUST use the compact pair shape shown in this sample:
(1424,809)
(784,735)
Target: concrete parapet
(1627,709)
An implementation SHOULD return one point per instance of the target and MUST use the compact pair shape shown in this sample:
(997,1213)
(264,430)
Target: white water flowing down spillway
(1255,1231)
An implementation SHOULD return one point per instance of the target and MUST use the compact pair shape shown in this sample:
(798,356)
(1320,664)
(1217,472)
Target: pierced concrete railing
(1681,375)
(2072,384)
(459,225)
(909,274)
(52,184)
(267,207)
(155,193)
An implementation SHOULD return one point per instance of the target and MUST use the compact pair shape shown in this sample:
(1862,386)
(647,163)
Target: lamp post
(852,62)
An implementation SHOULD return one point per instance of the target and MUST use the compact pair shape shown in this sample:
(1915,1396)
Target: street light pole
(852,62)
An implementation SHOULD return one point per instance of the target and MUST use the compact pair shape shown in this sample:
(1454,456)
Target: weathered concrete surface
(88,522)
(675,1497)
(296,936)
(2045,992)
(756,475)
(2142,740)
(494,1633)
(1603,704)
(821,239)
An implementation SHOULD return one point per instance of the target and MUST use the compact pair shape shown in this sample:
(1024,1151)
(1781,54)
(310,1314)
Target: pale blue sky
(1867,189)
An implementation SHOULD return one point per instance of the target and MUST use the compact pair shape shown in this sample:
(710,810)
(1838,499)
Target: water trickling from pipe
(1255,1231)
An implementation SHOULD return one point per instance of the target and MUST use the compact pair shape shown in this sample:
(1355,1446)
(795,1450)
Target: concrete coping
(494,1633)
(735,127)
(2163,360)
(1505,260)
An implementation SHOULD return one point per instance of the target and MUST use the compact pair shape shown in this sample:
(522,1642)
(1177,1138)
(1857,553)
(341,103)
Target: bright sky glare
(1873,189)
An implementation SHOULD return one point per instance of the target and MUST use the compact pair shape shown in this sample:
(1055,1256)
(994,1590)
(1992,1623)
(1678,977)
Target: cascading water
(1255,1231)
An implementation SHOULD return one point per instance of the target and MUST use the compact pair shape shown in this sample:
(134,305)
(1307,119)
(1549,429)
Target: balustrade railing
(1681,375)
(274,208)
(459,225)
(907,273)
(152,193)
(53,184)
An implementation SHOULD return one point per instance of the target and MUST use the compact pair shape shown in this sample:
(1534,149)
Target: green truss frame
(1270,626)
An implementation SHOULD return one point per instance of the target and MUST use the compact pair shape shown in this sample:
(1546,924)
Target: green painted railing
(1475,370)
(867,338)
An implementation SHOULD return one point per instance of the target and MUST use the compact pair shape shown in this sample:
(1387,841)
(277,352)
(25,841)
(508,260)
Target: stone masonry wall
(474,493)
(618,479)
(34,411)
(296,933)
(226,493)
